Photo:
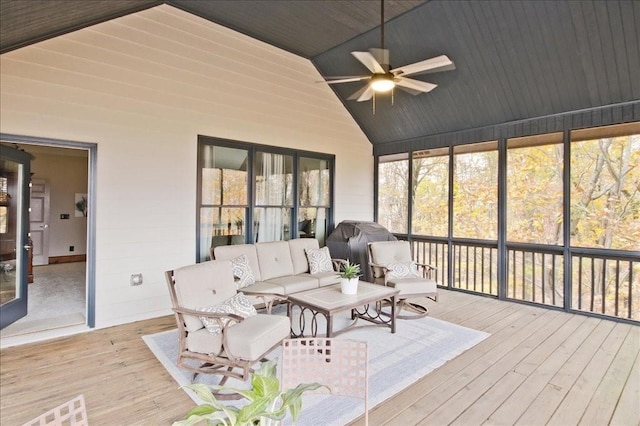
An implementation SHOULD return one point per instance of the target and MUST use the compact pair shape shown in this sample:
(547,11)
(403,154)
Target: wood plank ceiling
(514,60)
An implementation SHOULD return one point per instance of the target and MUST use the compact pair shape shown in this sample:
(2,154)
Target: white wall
(143,87)
(66,175)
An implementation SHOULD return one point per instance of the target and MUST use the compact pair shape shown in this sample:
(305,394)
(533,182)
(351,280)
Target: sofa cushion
(324,278)
(203,284)
(295,283)
(234,251)
(242,272)
(262,287)
(298,247)
(237,305)
(274,259)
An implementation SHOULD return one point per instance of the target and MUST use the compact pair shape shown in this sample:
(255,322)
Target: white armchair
(392,265)
(219,334)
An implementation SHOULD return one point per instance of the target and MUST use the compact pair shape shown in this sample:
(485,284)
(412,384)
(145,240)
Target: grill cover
(349,241)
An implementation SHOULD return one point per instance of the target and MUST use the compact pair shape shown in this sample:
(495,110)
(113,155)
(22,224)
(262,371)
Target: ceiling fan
(383,78)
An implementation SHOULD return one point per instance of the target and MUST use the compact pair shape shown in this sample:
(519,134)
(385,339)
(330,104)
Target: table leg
(393,314)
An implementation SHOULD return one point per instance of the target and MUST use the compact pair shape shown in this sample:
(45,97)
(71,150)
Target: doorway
(61,289)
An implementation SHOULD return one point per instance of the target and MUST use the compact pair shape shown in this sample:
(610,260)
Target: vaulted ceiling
(514,59)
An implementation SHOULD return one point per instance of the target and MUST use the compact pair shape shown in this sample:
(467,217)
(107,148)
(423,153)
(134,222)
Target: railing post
(502,219)
(566,220)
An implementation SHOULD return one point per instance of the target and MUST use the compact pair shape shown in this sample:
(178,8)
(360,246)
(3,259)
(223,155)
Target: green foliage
(349,270)
(265,401)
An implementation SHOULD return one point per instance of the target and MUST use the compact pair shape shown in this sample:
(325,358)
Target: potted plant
(350,273)
(267,405)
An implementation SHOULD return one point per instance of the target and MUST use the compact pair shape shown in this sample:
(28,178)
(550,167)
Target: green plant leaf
(292,398)
(265,386)
(216,418)
(253,410)
(267,368)
(201,410)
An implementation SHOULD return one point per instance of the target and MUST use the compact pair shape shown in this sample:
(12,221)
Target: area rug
(395,362)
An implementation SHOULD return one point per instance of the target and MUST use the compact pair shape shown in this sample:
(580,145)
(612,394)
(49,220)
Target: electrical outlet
(136,279)
(71,248)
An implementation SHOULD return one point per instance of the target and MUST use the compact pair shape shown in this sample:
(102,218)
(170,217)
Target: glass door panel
(274,197)
(271,224)
(223,197)
(14,242)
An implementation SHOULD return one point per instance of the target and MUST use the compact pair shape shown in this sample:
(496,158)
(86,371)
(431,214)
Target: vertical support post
(502,219)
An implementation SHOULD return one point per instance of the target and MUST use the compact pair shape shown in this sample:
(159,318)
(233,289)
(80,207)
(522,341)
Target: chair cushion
(253,337)
(238,305)
(297,248)
(274,259)
(319,260)
(385,252)
(242,272)
(413,286)
(203,342)
(203,284)
(402,270)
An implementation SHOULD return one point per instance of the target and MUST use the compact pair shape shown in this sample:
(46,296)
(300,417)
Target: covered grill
(349,241)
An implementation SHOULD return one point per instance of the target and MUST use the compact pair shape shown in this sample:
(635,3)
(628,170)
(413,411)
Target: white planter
(349,286)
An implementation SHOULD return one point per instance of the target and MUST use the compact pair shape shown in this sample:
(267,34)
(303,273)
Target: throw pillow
(238,305)
(319,260)
(242,274)
(402,270)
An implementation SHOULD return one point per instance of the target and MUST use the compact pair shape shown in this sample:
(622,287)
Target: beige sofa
(280,267)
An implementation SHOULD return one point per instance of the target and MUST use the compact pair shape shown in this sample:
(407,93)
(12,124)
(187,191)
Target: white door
(39,219)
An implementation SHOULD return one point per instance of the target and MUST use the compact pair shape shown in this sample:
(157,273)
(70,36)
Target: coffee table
(327,301)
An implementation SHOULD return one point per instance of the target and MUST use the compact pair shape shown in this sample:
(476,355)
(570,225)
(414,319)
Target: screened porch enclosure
(551,219)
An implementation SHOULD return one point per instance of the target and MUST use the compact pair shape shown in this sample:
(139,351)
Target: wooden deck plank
(627,411)
(582,391)
(513,407)
(530,365)
(551,397)
(498,345)
(493,397)
(600,409)
(473,390)
(418,392)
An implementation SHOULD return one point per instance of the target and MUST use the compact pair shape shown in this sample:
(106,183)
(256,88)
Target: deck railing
(535,274)
(606,284)
(603,282)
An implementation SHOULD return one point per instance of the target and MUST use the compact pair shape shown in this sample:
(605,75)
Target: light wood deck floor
(537,367)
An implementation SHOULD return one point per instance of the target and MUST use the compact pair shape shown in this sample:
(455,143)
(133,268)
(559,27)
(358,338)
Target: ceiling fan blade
(345,79)
(439,63)
(369,61)
(364,94)
(381,56)
(416,85)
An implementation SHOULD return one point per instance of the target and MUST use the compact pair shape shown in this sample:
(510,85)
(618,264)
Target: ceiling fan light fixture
(382,82)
